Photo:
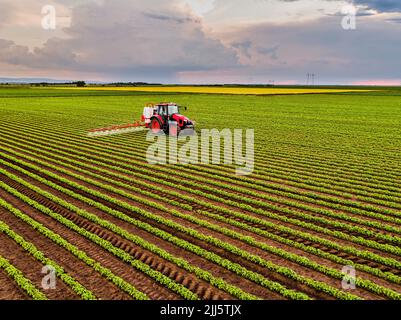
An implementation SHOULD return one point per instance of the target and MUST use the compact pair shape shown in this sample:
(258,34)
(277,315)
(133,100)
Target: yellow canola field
(221,90)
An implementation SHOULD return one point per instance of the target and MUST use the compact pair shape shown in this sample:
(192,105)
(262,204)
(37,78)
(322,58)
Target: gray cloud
(156,40)
(272,52)
(247,49)
(169,18)
(381,5)
(371,51)
(134,39)
(54,54)
(243,47)
(394,20)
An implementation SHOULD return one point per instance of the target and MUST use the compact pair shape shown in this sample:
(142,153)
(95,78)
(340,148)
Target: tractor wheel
(155,126)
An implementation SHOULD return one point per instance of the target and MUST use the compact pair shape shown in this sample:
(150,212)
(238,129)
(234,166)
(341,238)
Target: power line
(311,79)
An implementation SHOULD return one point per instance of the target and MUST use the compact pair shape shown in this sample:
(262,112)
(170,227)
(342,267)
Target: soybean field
(318,218)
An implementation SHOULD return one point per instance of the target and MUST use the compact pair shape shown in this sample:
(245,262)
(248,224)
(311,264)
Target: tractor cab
(167,116)
(167,109)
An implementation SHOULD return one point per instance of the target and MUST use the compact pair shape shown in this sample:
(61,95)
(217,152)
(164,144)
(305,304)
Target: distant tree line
(46,84)
(133,84)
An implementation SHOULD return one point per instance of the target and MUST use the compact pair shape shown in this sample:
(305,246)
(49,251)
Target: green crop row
(310,208)
(78,288)
(24,283)
(157,276)
(317,252)
(168,192)
(367,284)
(330,242)
(342,235)
(255,277)
(304,216)
(291,160)
(310,197)
(219,172)
(282,167)
(391,262)
(119,282)
(219,283)
(279,252)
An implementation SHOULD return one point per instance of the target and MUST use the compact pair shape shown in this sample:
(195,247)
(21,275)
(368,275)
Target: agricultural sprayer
(162,117)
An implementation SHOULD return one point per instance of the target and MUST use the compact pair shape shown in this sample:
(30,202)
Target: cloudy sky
(203,41)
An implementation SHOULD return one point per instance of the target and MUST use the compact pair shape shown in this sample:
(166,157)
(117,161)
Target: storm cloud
(381,5)
(230,41)
(131,39)
(290,51)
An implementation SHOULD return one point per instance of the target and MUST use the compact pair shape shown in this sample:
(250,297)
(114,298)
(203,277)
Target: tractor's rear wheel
(155,126)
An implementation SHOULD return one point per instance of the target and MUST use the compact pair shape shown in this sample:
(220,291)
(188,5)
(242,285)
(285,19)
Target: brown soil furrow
(202,289)
(288,183)
(314,214)
(118,267)
(198,187)
(197,206)
(9,289)
(175,178)
(315,233)
(256,177)
(302,211)
(221,272)
(335,283)
(32,269)
(250,265)
(307,271)
(87,276)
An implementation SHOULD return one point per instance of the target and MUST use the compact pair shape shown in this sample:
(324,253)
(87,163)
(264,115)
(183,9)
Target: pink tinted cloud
(378,82)
(287,82)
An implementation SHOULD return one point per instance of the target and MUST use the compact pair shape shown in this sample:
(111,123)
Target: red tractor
(162,117)
(166,117)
